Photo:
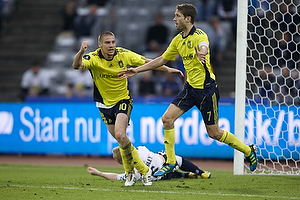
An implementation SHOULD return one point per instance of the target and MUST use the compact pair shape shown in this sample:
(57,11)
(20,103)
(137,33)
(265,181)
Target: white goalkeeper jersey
(154,161)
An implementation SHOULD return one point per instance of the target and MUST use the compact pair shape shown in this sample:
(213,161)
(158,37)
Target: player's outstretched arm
(108,176)
(158,64)
(77,62)
(127,73)
(174,71)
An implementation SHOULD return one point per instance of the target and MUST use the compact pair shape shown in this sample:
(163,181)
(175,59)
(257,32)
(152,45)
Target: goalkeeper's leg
(188,166)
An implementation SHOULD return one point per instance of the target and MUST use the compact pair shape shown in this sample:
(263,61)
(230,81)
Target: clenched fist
(84,46)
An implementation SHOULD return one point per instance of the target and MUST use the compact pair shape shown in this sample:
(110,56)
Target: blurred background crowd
(40,38)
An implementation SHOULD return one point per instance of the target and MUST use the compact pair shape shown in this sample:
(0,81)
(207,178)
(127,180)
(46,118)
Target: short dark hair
(35,63)
(188,10)
(105,33)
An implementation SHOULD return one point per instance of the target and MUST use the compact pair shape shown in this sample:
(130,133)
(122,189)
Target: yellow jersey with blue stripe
(108,87)
(197,73)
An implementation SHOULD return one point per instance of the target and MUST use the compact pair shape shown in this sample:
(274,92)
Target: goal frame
(267,82)
(240,83)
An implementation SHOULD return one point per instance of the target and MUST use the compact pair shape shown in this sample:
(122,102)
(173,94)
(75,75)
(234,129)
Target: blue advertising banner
(275,130)
(77,129)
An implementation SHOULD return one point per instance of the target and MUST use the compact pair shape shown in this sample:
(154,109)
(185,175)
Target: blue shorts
(206,100)
(109,115)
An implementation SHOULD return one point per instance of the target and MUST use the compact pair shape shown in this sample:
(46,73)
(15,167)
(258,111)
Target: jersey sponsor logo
(6,122)
(87,57)
(149,160)
(188,57)
(108,76)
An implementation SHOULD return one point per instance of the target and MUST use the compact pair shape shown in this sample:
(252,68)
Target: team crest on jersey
(87,57)
(189,44)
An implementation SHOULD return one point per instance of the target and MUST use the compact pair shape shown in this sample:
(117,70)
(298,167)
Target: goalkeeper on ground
(155,162)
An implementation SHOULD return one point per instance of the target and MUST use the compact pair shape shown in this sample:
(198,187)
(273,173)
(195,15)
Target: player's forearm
(153,64)
(164,68)
(77,62)
(108,176)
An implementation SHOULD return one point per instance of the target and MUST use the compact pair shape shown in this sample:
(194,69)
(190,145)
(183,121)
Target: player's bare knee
(167,122)
(120,137)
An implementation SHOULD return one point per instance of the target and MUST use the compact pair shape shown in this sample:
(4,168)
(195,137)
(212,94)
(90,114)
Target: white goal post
(240,83)
(267,100)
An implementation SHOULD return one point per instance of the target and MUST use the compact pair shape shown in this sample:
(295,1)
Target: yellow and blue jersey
(108,87)
(197,73)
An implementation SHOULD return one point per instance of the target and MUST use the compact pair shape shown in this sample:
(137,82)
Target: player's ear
(188,18)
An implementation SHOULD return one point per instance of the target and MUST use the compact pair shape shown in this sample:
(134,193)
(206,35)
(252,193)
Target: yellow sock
(169,141)
(127,158)
(232,141)
(138,163)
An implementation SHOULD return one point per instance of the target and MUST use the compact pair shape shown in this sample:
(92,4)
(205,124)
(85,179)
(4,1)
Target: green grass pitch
(73,182)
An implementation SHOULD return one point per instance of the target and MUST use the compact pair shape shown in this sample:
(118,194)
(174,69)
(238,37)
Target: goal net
(268,85)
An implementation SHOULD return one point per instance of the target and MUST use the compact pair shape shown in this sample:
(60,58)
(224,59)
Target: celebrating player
(155,162)
(112,95)
(200,88)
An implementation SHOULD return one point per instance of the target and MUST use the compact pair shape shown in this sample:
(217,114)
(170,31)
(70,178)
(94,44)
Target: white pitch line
(147,191)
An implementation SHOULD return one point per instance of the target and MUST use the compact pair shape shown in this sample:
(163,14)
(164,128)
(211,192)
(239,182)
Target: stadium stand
(29,34)
(35,27)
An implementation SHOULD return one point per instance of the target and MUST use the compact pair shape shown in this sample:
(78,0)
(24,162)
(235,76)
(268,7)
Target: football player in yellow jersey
(112,95)
(200,88)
